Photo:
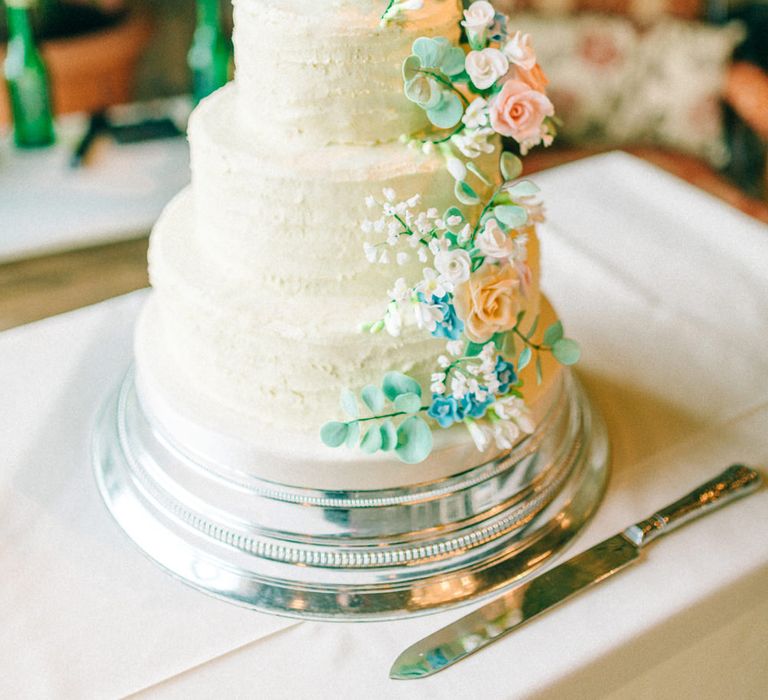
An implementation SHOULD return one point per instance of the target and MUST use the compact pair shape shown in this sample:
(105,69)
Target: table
(667,290)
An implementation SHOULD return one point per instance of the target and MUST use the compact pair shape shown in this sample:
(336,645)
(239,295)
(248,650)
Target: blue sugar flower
(451,326)
(472,407)
(505,373)
(445,410)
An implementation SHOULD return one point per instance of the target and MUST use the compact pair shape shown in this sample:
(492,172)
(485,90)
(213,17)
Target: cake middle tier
(325,71)
(292,219)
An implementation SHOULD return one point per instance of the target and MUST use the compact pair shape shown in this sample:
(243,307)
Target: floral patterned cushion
(612,84)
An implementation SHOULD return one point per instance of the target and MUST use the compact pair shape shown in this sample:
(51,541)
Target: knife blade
(534,597)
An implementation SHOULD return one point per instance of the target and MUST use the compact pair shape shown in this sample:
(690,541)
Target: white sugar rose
(486,67)
(478,17)
(454,266)
(494,242)
(519,51)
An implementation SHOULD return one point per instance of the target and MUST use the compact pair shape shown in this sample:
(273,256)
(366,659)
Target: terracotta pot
(91,71)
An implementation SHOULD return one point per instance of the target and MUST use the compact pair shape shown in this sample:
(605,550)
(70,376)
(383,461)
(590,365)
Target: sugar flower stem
(535,346)
(387,415)
(408,230)
(389,7)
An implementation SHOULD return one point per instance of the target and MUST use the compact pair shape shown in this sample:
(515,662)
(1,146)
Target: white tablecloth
(667,290)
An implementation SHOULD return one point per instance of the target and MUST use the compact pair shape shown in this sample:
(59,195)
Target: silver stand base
(352,555)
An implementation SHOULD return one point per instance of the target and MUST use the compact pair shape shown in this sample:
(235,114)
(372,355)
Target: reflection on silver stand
(352,555)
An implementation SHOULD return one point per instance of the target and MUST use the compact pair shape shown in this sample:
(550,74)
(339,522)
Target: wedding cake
(261,281)
(350,398)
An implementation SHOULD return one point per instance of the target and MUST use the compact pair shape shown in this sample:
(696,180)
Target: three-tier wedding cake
(350,399)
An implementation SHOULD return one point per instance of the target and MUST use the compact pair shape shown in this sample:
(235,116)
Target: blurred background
(97,93)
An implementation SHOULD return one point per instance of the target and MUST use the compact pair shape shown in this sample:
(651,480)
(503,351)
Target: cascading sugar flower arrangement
(497,88)
(476,288)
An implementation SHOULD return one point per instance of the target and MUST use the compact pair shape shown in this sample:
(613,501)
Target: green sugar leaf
(371,441)
(451,212)
(334,434)
(414,440)
(465,194)
(453,61)
(511,215)
(411,66)
(511,166)
(349,404)
(553,333)
(373,397)
(474,349)
(429,51)
(478,173)
(397,383)
(539,371)
(498,340)
(524,188)
(524,359)
(448,112)
(566,351)
(408,403)
(353,434)
(388,436)
(532,330)
(424,91)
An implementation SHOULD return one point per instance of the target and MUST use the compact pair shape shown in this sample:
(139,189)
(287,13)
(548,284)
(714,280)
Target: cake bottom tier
(350,553)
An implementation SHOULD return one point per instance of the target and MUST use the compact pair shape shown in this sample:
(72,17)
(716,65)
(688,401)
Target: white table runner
(667,290)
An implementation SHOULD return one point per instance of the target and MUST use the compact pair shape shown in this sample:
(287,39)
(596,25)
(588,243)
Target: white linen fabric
(667,290)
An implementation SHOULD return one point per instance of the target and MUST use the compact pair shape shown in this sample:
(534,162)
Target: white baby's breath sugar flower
(485,67)
(478,17)
(454,266)
(366,226)
(474,142)
(414,201)
(476,115)
(454,348)
(370,252)
(370,201)
(519,51)
(481,433)
(459,386)
(505,433)
(464,234)
(392,239)
(389,194)
(431,285)
(437,244)
(401,292)
(402,258)
(443,361)
(384,257)
(437,388)
(427,316)
(492,384)
(432,213)
(520,254)
(427,148)
(422,255)
(474,370)
(456,168)
(513,409)
(379,225)
(393,321)
(454,220)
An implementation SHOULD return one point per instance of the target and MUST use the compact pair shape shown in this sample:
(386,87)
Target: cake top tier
(326,71)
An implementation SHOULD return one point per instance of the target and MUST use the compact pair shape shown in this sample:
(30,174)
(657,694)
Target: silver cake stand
(352,555)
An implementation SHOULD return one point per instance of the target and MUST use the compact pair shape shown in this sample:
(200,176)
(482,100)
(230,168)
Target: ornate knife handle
(734,482)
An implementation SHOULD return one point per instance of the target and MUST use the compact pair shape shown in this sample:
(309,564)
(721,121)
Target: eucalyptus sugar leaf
(334,434)
(349,404)
(371,441)
(524,359)
(524,188)
(448,113)
(429,51)
(453,61)
(411,67)
(414,440)
(388,436)
(566,351)
(511,215)
(408,403)
(511,166)
(353,434)
(374,398)
(397,383)
(465,194)
(553,333)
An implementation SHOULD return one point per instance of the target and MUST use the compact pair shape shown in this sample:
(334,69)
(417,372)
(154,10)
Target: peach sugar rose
(489,301)
(519,112)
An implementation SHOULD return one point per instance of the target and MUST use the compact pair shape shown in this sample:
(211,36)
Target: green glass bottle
(27,81)
(208,57)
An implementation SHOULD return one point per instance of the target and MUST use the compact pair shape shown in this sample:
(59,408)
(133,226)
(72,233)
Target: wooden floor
(40,287)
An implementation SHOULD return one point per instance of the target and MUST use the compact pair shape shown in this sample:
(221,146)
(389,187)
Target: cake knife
(528,600)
